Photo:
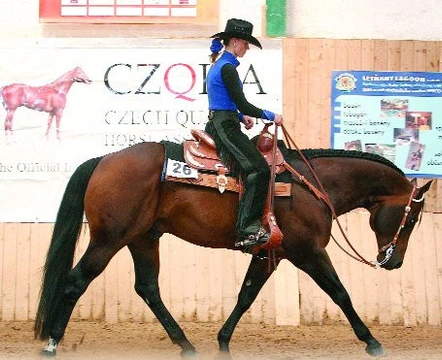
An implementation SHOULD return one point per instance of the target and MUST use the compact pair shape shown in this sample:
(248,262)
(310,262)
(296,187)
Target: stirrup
(261,237)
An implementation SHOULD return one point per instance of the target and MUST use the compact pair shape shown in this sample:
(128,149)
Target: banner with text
(395,114)
(67,102)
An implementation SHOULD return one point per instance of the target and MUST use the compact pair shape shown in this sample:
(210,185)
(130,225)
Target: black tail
(60,256)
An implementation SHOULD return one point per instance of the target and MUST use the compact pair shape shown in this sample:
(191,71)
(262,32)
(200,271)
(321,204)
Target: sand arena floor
(97,340)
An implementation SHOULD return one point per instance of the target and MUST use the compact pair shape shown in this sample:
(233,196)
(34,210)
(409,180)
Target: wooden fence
(199,284)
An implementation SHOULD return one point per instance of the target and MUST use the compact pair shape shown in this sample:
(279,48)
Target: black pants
(241,155)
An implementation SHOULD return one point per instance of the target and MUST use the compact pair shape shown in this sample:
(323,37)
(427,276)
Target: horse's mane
(317,153)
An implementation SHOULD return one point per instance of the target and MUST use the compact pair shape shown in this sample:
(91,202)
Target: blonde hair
(213,57)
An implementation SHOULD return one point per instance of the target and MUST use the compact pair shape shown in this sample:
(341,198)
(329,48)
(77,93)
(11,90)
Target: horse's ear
(422,190)
(425,188)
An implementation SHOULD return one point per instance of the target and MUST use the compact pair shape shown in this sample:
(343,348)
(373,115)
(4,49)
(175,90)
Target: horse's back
(16,95)
(131,166)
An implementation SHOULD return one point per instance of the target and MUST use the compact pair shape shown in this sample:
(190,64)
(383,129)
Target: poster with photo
(394,114)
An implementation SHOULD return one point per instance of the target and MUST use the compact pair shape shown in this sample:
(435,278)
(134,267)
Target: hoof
(50,350)
(375,350)
(47,353)
(223,355)
(189,354)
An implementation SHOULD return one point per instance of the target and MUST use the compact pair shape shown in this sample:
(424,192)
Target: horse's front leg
(58,115)
(323,273)
(50,119)
(257,275)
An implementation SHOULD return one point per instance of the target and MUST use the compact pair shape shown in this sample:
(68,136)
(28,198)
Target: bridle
(389,248)
(321,194)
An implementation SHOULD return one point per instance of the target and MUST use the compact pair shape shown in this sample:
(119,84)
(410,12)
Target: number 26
(179,168)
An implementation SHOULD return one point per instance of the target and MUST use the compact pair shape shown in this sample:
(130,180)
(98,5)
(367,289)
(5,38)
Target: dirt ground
(97,340)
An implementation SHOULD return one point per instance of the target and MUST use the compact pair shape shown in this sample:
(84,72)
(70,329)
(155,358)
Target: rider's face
(240,47)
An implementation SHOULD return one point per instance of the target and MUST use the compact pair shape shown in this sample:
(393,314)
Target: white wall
(251,10)
(19,19)
(340,19)
(362,19)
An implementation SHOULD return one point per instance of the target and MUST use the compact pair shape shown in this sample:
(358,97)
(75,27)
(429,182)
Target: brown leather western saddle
(200,154)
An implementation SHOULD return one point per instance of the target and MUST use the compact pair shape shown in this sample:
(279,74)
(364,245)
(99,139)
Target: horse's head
(78,75)
(393,221)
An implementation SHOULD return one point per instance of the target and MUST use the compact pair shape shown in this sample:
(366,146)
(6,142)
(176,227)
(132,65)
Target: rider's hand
(248,121)
(278,119)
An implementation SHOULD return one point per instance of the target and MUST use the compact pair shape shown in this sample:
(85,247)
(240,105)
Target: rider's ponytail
(215,48)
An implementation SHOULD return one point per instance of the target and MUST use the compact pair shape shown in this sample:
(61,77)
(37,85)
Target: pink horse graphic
(50,98)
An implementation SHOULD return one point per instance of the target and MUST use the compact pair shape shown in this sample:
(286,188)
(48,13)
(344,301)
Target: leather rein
(322,195)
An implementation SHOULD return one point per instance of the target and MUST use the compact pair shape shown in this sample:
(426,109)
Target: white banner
(149,91)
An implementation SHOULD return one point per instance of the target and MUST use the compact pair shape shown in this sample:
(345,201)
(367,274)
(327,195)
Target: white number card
(180,169)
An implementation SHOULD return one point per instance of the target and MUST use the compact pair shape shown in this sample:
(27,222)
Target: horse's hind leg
(145,254)
(257,275)
(8,126)
(92,264)
(323,273)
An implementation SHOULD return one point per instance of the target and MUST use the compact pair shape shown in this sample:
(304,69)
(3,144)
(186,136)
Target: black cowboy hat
(241,29)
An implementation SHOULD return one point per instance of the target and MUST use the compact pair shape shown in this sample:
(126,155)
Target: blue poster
(394,114)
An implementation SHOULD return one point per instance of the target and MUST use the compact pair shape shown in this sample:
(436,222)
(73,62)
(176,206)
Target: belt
(227,112)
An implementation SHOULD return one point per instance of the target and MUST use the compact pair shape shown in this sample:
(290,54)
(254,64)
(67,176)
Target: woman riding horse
(226,97)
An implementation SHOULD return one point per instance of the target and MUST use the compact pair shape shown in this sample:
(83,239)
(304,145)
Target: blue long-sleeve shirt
(225,89)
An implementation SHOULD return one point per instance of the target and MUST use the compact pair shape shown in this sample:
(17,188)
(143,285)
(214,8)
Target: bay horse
(50,98)
(126,203)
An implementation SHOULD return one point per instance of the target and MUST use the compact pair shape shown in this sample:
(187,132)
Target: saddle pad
(175,151)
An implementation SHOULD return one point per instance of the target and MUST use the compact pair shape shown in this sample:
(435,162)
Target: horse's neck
(360,188)
(62,85)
